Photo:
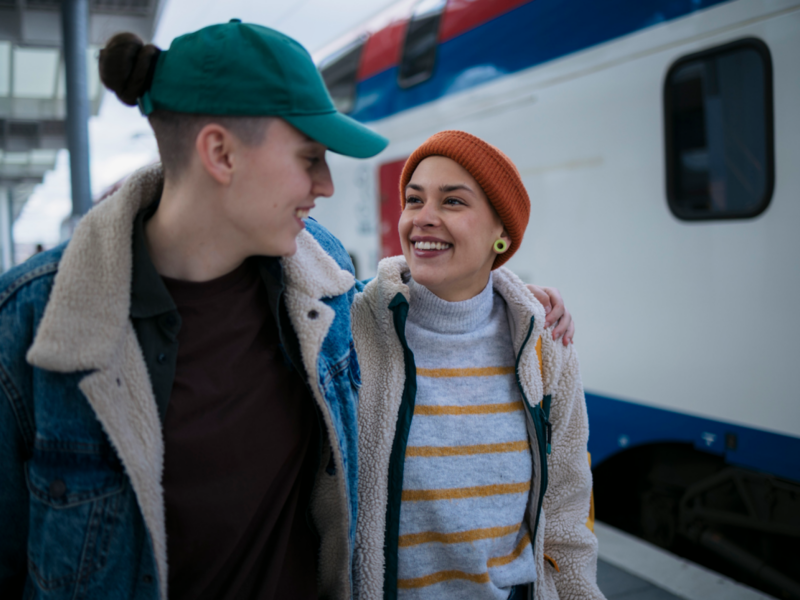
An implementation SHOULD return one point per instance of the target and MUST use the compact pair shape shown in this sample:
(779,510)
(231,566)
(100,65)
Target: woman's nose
(427,216)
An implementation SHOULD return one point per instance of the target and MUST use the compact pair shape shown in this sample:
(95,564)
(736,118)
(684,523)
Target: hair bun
(127,65)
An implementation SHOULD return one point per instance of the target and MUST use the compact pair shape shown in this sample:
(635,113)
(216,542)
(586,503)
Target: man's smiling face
(274,186)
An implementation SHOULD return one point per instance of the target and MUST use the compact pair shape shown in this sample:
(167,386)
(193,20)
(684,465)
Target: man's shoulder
(331,244)
(35,275)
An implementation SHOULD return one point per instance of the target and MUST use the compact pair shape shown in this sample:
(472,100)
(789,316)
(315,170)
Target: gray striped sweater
(468,467)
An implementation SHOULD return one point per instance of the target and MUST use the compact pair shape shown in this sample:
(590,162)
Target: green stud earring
(500,246)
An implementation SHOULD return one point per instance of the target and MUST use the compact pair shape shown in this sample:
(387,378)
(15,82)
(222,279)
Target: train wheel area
(631,569)
(742,524)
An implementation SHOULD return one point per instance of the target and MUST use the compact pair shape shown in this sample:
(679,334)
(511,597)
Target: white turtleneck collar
(430,312)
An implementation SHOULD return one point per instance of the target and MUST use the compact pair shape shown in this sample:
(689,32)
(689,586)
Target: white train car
(659,141)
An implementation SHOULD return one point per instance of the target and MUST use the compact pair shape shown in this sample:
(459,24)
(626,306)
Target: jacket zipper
(399,308)
(543,430)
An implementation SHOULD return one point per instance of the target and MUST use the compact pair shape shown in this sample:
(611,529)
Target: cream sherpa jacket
(561,533)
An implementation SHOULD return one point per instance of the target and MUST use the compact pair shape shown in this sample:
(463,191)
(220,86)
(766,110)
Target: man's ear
(214,145)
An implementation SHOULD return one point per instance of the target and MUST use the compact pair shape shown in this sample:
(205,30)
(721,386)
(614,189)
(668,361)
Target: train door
(389,195)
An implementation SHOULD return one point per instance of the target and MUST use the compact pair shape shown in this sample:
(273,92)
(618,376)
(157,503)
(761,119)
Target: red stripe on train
(462,15)
(382,49)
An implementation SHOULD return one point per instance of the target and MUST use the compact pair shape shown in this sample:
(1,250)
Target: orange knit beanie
(494,172)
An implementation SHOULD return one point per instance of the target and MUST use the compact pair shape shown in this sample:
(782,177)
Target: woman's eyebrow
(445,187)
(453,187)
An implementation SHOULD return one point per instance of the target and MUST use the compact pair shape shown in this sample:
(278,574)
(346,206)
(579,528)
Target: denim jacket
(81,450)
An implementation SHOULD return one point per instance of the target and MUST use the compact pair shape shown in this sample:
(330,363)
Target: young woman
(473,473)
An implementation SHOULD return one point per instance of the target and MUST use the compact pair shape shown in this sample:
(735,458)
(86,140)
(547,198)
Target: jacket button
(312,314)
(147,578)
(58,488)
(162,358)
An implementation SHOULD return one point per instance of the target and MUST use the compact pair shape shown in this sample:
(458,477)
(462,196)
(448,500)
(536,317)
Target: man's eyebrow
(308,140)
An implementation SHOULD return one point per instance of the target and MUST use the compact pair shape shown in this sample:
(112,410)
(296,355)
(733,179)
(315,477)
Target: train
(659,141)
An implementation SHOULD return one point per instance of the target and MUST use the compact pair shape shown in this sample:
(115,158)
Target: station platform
(629,568)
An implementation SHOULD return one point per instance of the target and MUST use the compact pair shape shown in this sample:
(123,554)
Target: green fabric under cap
(242,69)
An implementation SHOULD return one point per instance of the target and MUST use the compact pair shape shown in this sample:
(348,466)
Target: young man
(178,384)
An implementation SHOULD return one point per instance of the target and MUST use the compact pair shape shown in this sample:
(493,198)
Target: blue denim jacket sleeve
(23,294)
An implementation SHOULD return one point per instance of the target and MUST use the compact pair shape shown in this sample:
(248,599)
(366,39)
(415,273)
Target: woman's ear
(506,237)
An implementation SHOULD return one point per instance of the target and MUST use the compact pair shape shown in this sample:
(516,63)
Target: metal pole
(75,24)
(6,225)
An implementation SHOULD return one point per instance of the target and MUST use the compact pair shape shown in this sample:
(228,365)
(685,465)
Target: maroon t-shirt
(240,434)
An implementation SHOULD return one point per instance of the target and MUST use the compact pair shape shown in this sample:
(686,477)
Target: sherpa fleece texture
(562,532)
(86,327)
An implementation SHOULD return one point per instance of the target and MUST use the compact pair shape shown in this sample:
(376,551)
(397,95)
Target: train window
(339,74)
(718,132)
(422,37)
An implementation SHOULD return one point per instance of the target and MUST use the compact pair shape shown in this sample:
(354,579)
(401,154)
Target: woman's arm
(567,539)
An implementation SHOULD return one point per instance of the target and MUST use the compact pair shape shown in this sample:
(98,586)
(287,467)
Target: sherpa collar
(87,314)
(521,304)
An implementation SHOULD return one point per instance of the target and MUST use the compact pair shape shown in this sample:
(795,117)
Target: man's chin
(280,250)
(290,250)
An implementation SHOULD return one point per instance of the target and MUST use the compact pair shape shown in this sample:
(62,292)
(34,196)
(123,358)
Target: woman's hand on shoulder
(556,312)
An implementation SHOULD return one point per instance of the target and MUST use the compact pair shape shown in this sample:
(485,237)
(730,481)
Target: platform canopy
(33,84)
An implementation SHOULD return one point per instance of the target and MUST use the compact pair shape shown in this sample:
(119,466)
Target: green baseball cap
(242,69)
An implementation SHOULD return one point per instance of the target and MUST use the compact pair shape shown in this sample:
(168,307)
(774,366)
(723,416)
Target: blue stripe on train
(616,425)
(534,33)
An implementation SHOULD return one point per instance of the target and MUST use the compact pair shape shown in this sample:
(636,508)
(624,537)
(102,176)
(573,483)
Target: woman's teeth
(431,245)
(301,213)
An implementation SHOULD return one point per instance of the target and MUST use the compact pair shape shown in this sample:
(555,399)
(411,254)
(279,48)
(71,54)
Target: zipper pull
(549,436)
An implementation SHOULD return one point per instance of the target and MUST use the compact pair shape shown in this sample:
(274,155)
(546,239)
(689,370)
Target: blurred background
(659,141)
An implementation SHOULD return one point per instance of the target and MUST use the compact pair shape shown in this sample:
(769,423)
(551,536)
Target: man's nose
(323,184)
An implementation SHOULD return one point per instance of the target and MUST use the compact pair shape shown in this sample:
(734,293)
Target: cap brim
(340,133)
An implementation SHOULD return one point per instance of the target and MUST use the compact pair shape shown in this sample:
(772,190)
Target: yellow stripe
(468,372)
(405,584)
(441,576)
(590,519)
(539,356)
(553,562)
(504,560)
(465,450)
(478,491)
(459,537)
(476,409)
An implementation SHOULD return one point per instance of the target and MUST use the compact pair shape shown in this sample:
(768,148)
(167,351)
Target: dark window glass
(718,117)
(339,74)
(422,37)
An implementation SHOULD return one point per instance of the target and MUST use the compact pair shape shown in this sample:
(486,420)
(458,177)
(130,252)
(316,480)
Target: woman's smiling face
(447,230)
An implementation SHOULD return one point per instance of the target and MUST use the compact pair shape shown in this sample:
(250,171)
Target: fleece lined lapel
(88,309)
(311,275)
(86,327)
(380,354)
(521,306)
